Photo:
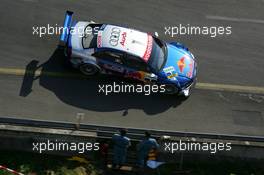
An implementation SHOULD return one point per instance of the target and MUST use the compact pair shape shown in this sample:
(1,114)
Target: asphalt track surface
(236,59)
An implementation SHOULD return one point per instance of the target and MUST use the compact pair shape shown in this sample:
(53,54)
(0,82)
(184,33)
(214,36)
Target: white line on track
(247,20)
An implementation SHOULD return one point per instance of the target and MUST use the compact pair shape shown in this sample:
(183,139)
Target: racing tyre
(89,69)
(171,89)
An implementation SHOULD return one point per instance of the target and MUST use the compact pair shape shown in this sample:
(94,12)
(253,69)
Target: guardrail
(245,147)
(133,133)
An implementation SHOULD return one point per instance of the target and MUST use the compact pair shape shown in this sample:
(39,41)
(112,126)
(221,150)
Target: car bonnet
(179,63)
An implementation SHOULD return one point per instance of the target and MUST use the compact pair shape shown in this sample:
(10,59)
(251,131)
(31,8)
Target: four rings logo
(114,37)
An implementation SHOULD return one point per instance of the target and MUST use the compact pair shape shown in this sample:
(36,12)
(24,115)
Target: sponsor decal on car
(99,39)
(171,76)
(190,73)
(139,75)
(148,49)
(181,64)
(123,39)
(114,36)
(169,69)
(142,76)
(170,72)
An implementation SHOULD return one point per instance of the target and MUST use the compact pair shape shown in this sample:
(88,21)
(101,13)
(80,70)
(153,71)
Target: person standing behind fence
(104,148)
(120,145)
(144,147)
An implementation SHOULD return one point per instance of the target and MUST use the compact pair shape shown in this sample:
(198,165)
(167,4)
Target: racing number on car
(114,37)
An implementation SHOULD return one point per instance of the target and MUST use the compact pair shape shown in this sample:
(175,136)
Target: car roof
(125,39)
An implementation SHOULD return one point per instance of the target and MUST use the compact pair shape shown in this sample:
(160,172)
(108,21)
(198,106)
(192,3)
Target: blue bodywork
(180,66)
(66,27)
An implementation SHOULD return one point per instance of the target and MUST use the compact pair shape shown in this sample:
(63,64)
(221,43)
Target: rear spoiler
(66,29)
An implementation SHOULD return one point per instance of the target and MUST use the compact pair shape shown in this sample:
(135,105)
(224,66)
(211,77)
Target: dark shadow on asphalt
(83,92)
(26,87)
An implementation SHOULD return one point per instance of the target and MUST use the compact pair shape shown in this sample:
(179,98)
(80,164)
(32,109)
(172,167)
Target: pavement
(229,97)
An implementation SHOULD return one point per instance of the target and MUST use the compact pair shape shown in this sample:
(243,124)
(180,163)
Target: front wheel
(89,69)
(171,89)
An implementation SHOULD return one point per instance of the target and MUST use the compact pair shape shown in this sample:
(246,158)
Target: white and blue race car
(96,48)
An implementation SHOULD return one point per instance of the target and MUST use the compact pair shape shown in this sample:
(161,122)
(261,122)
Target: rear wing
(66,29)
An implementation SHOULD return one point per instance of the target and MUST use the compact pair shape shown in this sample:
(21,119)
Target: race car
(96,48)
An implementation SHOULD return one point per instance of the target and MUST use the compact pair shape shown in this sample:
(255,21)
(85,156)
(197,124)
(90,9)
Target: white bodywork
(76,43)
(110,36)
(115,37)
(125,39)
(77,34)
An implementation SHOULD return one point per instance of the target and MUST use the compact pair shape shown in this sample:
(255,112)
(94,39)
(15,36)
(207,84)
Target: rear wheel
(89,69)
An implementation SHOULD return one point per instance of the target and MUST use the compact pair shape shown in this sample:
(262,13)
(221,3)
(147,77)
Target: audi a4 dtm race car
(95,48)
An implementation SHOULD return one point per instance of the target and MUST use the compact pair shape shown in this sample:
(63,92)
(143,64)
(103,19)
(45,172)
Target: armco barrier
(242,146)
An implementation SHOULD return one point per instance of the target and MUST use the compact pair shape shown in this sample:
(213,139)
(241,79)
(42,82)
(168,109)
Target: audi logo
(114,37)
